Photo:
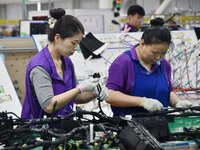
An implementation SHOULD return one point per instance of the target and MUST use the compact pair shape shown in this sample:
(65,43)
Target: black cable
(78,114)
(100,109)
(13,114)
(165,112)
(102,139)
(106,124)
(63,137)
(99,101)
(41,131)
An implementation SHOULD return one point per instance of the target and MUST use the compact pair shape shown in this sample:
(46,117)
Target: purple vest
(31,108)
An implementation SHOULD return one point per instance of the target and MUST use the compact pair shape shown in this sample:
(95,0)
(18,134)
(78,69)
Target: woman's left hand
(101,93)
(183,104)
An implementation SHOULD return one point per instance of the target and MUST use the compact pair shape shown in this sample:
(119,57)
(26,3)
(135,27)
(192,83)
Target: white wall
(105,4)
(94,20)
(16,10)
(183,5)
(67,5)
(2,11)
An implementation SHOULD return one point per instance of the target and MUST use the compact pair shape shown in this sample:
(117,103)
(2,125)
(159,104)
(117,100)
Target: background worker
(135,15)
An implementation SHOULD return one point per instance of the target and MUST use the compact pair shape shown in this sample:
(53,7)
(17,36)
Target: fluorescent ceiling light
(34,0)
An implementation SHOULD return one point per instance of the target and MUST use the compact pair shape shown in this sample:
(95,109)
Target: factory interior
(99,74)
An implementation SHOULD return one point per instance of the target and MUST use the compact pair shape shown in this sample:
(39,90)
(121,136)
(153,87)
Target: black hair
(136,9)
(157,22)
(66,25)
(157,33)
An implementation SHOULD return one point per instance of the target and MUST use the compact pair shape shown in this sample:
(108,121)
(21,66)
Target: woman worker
(51,85)
(143,81)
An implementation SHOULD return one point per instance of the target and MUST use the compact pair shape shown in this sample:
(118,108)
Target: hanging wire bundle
(185,62)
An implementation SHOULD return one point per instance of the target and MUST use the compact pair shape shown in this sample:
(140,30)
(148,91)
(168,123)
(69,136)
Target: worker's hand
(101,92)
(196,103)
(88,85)
(182,104)
(151,104)
(126,29)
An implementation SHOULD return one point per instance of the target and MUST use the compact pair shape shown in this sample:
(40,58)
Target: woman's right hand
(151,104)
(88,85)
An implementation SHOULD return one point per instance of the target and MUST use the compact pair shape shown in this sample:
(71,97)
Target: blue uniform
(153,85)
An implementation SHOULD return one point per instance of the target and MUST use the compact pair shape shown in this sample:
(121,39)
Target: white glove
(183,104)
(102,94)
(151,104)
(196,103)
(88,85)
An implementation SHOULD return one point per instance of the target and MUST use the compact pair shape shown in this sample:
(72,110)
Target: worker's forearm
(62,100)
(119,99)
(84,98)
(173,99)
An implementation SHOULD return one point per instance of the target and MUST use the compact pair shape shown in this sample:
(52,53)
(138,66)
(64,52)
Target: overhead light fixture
(34,0)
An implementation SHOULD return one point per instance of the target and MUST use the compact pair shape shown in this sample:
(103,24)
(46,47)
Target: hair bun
(157,22)
(57,13)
